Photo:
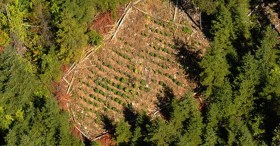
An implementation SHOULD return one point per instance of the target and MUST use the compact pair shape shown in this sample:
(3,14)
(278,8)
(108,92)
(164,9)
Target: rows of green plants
(85,116)
(123,55)
(89,101)
(166,43)
(154,54)
(163,49)
(105,83)
(142,53)
(125,85)
(170,77)
(120,79)
(165,25)
(97,91)
(118,92)
(158,31)
(103,101)
(122,88)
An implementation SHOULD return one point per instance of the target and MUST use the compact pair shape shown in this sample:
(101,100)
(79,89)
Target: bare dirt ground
(104,22)
(150,57)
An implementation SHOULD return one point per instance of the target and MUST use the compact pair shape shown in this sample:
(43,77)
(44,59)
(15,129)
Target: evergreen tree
(16,13)
(28,112)
(276,137)
(215,63)
(123,133)
(185,126)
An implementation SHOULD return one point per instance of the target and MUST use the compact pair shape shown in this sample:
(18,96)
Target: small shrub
(135,85)
(118,93)
(123,80)
(135,70)
(147,89)
(132,92)
(166,34)
(161,83)
(126,90)
(130,67)
(186,30)
(141,88)
(118,78)
(143,82)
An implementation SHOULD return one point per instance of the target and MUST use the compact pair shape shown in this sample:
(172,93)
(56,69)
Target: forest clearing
(144,59)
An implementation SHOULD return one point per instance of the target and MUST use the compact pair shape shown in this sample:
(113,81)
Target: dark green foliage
(241,83)
(48,127)
(28,112)
(123,133)
(184,127)
(17,83)
(215,63)
(94,37)
(276,136)
(4,39)
(109,4)
(143,82)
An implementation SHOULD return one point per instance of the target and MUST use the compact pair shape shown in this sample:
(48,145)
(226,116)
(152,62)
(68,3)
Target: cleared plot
(134,68)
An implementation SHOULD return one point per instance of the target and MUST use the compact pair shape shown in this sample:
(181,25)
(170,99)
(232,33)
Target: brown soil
(59,89)
(106,140)
(104,22)
(76,133)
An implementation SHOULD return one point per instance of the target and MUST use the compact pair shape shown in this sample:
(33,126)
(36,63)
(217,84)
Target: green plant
(141,88)
(143,82)
(126,90)
(161,83)
(135,85)
(186,30)
(94,37)
(123,80)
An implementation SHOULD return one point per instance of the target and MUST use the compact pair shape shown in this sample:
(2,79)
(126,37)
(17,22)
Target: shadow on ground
(108,124)
(189,58)
(165,99)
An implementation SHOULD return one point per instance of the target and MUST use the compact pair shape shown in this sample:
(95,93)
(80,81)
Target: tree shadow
(130,114)
(270,110)
(165,99)
(108,124)
(189,59)
(3,134)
